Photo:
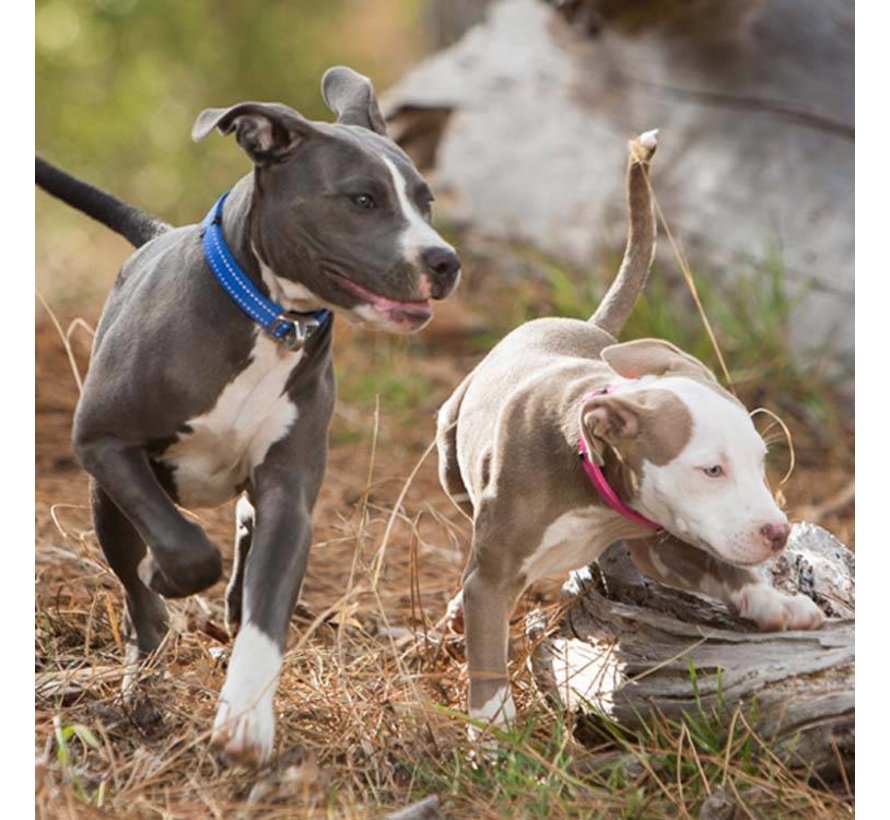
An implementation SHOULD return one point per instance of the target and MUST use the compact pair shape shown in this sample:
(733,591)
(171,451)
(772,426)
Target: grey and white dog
(187,401)
(679,451)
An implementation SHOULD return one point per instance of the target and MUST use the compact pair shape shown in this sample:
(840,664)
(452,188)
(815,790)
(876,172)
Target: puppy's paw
(151,574)
(774,611)
(193,566)
(245,734)
(499,711)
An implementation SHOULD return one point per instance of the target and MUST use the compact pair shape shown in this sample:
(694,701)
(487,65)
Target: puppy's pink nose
(776,535)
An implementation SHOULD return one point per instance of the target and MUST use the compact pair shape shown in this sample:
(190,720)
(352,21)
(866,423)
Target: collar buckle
(289,328)
(292,330)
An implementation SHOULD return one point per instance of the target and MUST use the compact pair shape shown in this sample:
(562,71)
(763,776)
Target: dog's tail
(621,297)
(136,226)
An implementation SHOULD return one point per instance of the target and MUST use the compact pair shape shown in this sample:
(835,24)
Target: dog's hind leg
(454,612)
(446,442)
(181,559)
(743,590)
(244,521)
(124,549)
(491,587)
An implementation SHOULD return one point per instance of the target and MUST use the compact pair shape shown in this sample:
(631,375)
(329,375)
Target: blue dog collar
(290,328)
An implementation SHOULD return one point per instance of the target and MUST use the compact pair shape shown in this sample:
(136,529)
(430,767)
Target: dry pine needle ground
(371,698)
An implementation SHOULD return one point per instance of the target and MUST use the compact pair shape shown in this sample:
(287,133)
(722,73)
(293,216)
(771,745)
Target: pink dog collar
(602,486)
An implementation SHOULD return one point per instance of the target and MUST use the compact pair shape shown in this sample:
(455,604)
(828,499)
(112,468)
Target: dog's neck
(236,229)
(617,467)
(241,205)
(621,476)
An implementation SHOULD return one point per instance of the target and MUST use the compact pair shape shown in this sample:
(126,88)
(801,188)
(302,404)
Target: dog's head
(694,459)
(340,214)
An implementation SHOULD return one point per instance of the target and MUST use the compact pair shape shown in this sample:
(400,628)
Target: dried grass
(370,704)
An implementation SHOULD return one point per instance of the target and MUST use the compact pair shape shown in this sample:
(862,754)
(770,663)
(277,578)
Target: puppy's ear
(653,357)
(607,420)
(268,132)
(350,96)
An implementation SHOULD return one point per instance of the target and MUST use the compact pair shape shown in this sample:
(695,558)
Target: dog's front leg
(273,571)
(182,560)
(742,589)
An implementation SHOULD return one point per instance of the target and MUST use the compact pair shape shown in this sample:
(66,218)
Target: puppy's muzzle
(776,535)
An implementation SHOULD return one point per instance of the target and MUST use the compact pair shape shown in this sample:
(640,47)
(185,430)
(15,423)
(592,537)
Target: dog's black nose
(443,267)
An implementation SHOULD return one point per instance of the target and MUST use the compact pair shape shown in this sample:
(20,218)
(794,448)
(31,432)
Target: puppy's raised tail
(137,227)
(621,297)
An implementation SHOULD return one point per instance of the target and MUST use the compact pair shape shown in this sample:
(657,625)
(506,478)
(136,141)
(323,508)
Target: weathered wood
(627,645)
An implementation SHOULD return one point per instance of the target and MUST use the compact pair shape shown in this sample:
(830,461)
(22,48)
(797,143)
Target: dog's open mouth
(392,310)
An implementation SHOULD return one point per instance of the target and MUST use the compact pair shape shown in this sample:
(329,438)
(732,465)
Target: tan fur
(660,425)
(617,304)
(508,454)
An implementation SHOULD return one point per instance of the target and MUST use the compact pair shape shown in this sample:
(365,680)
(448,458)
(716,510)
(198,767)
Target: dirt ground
(338,712)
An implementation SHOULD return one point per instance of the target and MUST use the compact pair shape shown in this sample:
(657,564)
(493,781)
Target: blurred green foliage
(119,82)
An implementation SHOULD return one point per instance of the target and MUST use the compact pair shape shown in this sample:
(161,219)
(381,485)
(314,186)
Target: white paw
(498,711)
(245,734)
(774,611)
(244,728)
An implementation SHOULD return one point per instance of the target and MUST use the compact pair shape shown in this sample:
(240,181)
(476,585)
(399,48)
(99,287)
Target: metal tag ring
(298,330)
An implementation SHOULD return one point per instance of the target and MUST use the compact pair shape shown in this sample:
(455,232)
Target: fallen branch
(630,647)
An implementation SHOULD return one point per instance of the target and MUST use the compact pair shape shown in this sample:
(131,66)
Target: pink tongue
(383,304)
(391,304)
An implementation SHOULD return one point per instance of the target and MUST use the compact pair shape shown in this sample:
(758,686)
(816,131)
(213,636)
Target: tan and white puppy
(676,446)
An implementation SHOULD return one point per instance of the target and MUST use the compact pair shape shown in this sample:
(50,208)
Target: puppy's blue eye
(713,472)
(365,201)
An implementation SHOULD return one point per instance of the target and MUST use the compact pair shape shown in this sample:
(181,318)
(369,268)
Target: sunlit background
(119,83)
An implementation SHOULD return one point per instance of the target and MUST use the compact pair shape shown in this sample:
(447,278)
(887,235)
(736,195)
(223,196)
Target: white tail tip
(649,139)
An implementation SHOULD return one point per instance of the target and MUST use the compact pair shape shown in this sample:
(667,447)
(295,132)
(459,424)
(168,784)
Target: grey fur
(170,341)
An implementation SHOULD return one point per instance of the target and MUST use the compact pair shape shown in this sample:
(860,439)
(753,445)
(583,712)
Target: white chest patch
(229,441)
(574,540)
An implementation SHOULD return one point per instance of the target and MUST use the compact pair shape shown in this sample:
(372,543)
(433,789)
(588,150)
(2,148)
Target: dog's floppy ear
(653,357)
(268,132)
(350,96)
(608,419)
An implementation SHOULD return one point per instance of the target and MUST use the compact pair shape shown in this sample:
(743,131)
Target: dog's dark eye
(713,472)
(365,201)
